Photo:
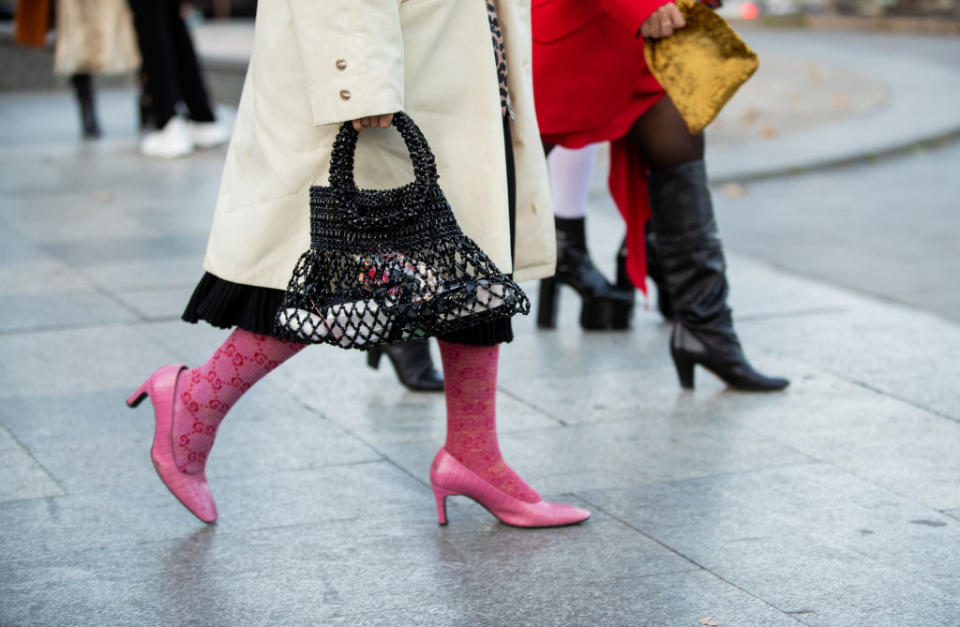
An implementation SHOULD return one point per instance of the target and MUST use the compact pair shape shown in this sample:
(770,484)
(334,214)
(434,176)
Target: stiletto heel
(547,303)
(137,397)
(373,357)
(684,366)
(449,477)
(441,497)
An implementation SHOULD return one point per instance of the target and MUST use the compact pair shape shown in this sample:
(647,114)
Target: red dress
(591,83)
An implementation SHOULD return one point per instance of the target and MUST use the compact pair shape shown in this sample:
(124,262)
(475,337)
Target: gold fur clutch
(701,65)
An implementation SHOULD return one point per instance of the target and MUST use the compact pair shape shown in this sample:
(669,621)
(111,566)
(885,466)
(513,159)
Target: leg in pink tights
(470,376)
(206,393)
(188,406)
(470,462)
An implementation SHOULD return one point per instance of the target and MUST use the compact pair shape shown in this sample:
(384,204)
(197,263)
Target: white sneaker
(208,134)
(170,142)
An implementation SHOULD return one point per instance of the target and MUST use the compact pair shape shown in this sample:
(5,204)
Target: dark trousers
(169,61)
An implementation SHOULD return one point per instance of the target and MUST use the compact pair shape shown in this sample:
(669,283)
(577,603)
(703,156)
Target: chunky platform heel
(547,303)
(604,306)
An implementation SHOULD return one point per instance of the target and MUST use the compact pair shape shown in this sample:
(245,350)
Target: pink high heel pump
(450,478)
(191,490)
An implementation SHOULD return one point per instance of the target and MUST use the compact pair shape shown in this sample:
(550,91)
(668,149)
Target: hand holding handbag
(392,265)
(702,65)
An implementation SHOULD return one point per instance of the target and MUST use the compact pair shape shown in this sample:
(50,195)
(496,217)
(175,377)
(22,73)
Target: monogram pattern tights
(470,382)
(206,393)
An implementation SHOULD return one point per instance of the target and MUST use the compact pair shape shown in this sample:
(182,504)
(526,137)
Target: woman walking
(315,66)
(593,85)
(93,37)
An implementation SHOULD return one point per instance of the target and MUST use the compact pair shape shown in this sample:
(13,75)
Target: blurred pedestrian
(593,85)
(173,76)
(316,65)
(93,37)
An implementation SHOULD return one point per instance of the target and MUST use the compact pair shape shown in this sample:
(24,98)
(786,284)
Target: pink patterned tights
(206,393)
(470,381)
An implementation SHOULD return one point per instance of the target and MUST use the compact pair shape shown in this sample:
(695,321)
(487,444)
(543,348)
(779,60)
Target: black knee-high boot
(694,273)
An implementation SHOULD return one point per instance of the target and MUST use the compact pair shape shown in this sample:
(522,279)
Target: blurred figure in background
(93,37)
(173,76)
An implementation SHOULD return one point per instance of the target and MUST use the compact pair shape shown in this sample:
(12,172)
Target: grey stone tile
(156,304)
(824,585)
(94,443)
(219,574)
(163,272)
(39,276)
(672,599)
(43,529)
(52,309)
(853,427)
(23,477)
(77,361)
(646,449)
(817,504)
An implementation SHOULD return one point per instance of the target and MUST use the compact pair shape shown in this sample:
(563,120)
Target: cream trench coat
(317,63)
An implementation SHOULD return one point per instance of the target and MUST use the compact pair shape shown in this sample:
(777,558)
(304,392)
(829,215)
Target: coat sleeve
(632,13)
(352,56)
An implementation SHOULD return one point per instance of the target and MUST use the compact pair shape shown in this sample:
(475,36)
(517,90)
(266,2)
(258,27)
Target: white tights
(570,174)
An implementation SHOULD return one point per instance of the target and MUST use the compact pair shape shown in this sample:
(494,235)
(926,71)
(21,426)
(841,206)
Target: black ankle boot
(655,272)
(693,268)
(604,306)
(83,87)
(412,363)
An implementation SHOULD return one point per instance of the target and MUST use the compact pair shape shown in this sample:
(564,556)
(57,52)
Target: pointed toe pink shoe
(451,478)
(191,490)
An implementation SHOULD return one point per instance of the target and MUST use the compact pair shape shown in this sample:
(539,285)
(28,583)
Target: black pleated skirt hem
(225,305)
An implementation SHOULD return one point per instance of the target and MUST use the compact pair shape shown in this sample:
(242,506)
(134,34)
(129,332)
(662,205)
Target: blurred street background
(836,175)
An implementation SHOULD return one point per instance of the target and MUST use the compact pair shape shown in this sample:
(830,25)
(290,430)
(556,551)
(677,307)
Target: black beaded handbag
(389,266)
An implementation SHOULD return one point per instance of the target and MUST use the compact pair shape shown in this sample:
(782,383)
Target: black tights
(663,138)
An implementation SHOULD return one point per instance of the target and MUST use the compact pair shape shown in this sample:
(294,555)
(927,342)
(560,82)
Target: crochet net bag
(391,265)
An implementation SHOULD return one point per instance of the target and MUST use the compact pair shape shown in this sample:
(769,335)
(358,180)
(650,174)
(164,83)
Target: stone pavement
(834,503)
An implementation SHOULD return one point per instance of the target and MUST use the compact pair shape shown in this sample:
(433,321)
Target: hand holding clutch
(701,65)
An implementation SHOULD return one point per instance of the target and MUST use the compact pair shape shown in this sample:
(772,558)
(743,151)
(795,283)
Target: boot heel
(547,305)
(684,366)
(137,397)
(373,357)
(441,497)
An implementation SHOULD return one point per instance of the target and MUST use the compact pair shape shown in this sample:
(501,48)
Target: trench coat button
(345,94)
(341,64)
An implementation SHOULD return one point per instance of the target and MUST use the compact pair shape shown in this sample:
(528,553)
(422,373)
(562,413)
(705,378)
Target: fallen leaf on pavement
(733,190)
(708,620)
(768,132)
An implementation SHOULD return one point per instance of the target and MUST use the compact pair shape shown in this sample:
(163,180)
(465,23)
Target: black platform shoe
(604,306)
(693,269)
(83,87)
(412,363)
